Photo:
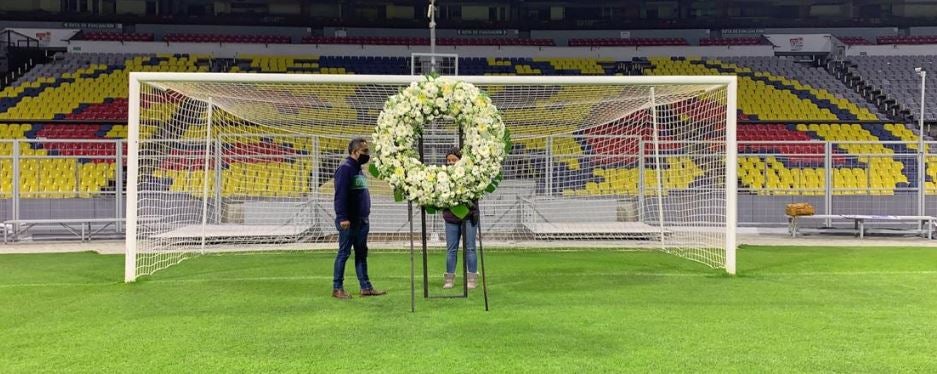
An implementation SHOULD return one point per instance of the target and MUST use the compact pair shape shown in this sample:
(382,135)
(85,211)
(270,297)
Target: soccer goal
(434,63)
(244,162)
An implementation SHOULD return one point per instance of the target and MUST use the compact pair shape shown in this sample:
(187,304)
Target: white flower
(397,128)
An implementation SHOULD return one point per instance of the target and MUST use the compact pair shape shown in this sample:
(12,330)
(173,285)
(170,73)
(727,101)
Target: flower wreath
(485,143)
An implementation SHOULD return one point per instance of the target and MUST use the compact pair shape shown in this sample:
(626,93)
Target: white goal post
(243,162)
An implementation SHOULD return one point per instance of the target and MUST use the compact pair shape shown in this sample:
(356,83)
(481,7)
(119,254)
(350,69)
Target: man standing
(352,207)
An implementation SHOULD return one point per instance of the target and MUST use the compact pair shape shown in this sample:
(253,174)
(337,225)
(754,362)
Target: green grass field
(791,309)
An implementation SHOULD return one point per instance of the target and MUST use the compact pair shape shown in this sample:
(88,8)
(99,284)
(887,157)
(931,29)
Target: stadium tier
(475,41)
(114,36)
(813,83)
(894,76)
(854,40)
(222,38)
(382,40)
(366,40)
(732,41)
(627,42)
(283,39)
(907,39)
(765,95)
(94,87)
(860,164)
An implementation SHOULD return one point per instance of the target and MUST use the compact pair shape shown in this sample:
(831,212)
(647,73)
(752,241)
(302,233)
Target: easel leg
(481,260)
(464,260)
(425,266)
(412,273)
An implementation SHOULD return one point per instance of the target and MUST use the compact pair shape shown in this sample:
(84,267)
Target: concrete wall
(100,207)
(923,30)
(30,6)
(63,209)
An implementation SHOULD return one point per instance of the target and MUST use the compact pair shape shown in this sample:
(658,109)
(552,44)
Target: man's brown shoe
(339,293)
(372,292)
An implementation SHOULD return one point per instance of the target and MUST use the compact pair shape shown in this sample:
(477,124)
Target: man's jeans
(355,236)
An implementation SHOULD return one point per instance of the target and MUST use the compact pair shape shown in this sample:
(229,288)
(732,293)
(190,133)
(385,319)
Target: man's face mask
(363,156)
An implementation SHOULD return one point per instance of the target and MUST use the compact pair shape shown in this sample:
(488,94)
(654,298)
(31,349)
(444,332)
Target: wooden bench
(859,221)
(83,228)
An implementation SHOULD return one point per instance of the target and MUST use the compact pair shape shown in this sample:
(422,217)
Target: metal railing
(891,177)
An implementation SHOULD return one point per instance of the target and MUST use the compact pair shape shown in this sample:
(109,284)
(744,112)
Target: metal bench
(83,228)
(859,221)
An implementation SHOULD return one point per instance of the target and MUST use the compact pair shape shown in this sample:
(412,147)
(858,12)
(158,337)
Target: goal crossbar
(153,77)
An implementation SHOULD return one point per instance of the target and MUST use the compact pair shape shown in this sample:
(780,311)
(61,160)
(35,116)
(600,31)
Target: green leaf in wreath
(430,209)
(373,170)
(398,195)
(460,211)
(507,141)
(491,187)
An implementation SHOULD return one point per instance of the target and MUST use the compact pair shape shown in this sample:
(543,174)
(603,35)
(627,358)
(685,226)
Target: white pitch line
(57,284)
(324,277)
(854,273)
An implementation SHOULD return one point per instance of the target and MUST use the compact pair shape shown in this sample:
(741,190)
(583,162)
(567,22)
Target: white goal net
(434,63)
(244,162)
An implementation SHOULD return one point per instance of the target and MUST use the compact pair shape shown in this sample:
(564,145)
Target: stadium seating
(535,66)
(627,42)
(79,87)
(93,87)
(111,109)
(366,40)
(931,176)
(223,38)
(115,36)
(757,98)
(863,168)
(732,41)
(781,140)
(895,77)
(391,40)
(907,39)
(816,81)
(854,40)
(767,93)
(678,173)
(496,42)
(401,65)
(55,177)
(255,169)
(768,96)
